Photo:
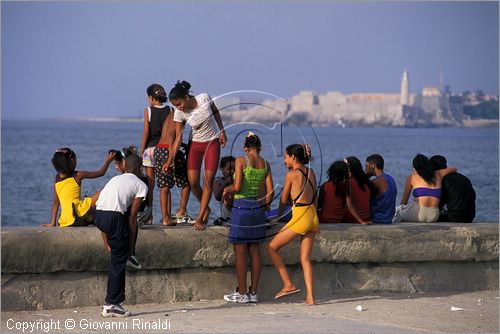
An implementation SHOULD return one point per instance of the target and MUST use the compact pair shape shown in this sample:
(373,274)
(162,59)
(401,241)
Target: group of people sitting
(246,191)
(352,194)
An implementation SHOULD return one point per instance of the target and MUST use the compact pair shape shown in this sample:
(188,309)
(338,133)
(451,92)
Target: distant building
(430,108)
(431,92)
(405,89)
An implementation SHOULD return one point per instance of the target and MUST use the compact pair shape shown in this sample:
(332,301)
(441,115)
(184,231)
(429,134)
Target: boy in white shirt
(118,229)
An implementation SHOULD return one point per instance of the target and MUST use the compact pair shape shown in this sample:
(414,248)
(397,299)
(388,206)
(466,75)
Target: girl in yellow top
(300,186)
(67,190)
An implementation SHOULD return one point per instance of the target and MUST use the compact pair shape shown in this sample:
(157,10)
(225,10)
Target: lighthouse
(405,89)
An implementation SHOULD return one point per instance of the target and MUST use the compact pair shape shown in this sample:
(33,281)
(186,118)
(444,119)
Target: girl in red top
(359,191)
(334,196)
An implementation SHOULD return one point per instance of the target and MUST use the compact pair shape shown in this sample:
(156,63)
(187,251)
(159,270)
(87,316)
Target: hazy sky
(69,59)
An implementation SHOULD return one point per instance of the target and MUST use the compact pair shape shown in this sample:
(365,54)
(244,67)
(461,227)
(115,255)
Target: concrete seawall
(63,268)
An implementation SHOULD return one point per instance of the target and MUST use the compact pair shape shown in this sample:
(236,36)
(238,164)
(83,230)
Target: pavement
(472,312)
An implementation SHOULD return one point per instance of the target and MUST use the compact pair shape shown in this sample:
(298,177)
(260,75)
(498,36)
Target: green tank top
(252,179)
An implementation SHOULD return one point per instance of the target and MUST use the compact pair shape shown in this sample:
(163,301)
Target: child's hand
(107,246)
(110,157)
(48,225)
(199,226)
(166,166)
(166,169)
(223,138)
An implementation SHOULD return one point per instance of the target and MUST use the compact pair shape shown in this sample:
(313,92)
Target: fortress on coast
(433,107)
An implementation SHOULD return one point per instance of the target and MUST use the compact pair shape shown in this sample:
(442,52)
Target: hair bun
(183,84)
(307,150)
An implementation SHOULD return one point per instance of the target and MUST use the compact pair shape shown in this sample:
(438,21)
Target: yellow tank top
(68,192)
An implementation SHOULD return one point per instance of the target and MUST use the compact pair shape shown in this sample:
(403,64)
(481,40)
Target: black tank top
(158,116)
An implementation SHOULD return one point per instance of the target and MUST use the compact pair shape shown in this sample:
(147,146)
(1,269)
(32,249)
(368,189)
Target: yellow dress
(68,192)
(304,216)
(304,219)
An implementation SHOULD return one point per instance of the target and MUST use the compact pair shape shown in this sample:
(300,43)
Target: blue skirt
(248,221)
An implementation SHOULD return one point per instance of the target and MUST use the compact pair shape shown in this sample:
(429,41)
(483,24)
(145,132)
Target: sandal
(282,293)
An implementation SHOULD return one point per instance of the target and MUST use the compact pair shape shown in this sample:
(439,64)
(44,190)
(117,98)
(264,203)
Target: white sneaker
(109,311)
(253,297)
(236,297)
(133,262)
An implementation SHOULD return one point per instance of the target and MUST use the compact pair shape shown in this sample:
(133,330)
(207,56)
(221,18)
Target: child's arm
(218,119)
(352,210)
(285,195)
(145,131)
(132,224)
(95,174)
(407,191)
(105,240)
(321,197)
(178,128)
(238,179)
(218,188)
(269,188)
(445,171)
(55,208)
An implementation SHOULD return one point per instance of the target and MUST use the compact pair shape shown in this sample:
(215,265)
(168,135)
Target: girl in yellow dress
(301,187)
(67,190)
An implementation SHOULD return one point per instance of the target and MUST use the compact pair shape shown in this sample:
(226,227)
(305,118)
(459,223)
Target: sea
(27,174)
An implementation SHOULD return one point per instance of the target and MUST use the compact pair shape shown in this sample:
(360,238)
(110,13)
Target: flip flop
(286,293)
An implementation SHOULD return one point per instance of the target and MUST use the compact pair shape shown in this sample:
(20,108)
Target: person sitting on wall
(458,198)
(384,191)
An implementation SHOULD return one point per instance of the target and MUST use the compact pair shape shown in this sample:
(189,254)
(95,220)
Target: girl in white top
(205,140)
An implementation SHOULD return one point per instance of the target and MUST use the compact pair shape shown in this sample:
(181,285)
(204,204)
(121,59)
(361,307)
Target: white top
(204,128)
(119,193)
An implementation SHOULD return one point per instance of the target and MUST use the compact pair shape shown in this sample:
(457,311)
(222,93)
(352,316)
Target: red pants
(208,150)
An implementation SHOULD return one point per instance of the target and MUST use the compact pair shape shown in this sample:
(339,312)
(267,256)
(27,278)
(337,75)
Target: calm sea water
(27,148)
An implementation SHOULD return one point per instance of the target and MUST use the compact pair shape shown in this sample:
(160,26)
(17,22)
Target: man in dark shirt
(457,194)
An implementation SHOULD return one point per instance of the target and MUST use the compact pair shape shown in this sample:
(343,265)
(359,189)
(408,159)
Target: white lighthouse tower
(405,89)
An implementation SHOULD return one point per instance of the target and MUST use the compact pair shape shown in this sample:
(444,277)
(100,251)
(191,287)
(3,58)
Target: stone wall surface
(67,267)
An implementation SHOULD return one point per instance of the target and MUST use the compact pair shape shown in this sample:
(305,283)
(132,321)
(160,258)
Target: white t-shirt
(119,193)
(204,128)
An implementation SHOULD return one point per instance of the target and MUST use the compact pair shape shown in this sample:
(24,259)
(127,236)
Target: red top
(332,207)
(360,200)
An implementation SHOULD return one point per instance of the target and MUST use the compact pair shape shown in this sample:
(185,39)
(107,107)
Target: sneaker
(219,221)
(253,296)
(236,297)
(133,262)
(109,311)
(185,220)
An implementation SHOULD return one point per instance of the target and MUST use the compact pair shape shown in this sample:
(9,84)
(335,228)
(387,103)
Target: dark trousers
(115,225)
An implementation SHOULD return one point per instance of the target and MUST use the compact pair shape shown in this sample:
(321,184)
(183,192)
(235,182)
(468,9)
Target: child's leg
(240,264)
(116,228)
(194,183)
(306,244)
(211,159)
(94,199)
(206,196)
(254,249)
(281,239)
(165,207)
(183,203)
(151,185)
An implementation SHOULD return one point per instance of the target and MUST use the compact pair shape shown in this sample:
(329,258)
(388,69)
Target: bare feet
(149,221)
(168,222)
(310,302)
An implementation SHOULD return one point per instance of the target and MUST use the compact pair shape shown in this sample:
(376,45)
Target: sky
(77,59)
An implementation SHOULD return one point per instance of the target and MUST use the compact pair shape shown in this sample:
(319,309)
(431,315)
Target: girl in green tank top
(253,192)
